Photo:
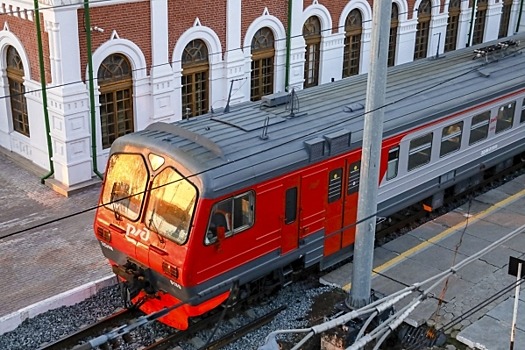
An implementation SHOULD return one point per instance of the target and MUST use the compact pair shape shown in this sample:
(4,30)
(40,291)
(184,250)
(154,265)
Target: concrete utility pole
(372,137)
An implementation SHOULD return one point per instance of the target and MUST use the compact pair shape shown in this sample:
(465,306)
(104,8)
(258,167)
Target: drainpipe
(474,4)
(91,89)
(288,43)
(44,92)
(519,16)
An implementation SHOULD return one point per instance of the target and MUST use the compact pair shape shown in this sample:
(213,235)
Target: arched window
(352,51)
(452,25)
(505,19)
(195,72)
(424,13)
(312,37)
(116,98)
(479,23)
(263,54)
(394,23)
(15,78)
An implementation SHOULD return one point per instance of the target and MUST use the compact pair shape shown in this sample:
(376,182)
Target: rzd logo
(134,232)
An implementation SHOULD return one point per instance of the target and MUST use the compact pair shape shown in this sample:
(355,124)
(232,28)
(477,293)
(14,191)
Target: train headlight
(170,270)
(104,234)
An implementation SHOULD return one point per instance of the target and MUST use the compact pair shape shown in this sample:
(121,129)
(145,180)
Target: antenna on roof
(227,108)
(264,134)
(292,103)
(437,56)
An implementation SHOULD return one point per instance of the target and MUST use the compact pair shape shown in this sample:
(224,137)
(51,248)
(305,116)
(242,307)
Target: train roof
(255,142)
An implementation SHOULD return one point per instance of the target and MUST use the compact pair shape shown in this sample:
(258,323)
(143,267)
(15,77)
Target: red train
(248,197)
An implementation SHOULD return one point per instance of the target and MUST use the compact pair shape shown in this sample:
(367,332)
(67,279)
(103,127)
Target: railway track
(71,340)
(113,323)
(228,338)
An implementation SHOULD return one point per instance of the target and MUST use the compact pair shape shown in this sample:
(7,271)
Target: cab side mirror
(221,233)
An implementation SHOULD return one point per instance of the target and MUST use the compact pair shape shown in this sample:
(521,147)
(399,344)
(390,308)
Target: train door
(334,207)
(312,201)
(289,216)
(350,202)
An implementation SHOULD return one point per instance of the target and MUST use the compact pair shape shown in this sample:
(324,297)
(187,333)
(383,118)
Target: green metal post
(288,43)
(87,20)
(44,92)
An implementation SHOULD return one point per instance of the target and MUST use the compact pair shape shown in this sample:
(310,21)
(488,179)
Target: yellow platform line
(412,251)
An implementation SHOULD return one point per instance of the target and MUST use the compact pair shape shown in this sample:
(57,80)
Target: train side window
(505,116)
(335,185)
(393,163)
(522,118)
(290,210)
(230,216)
(479,128)
(451,138)
(420,151)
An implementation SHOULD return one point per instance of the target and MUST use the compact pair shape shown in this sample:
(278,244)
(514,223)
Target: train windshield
(125,185)
(170,206)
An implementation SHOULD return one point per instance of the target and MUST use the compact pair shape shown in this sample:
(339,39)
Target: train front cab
(144,223)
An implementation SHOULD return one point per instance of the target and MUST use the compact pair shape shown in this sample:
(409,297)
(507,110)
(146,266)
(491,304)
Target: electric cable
(174,61)
(313,132)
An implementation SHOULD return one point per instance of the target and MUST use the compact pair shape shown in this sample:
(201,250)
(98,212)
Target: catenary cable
(241,158)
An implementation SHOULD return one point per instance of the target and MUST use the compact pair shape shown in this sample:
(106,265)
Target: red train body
(191,208)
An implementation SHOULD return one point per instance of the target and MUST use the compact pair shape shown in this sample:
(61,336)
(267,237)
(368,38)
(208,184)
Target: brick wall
(182,15)
(131,21)
(25,31)
(252,9)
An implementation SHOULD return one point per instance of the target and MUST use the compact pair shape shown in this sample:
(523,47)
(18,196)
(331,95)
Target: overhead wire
(170,62)
(244,157)
(313,132)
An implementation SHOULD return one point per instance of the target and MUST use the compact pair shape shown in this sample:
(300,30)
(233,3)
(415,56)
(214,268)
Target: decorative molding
(266,12)
(6,27)
(197,22)
(114,35)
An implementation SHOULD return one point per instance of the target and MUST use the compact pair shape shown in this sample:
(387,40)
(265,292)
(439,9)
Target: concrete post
(370,159)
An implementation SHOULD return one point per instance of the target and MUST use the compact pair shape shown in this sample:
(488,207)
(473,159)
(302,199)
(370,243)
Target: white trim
(203,33)
(9,39)
(125,47)
(323,14)
(402,7)
(271,22)
(360,5)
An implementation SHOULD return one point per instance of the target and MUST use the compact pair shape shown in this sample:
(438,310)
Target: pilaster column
(332,48)
(233,57)
(438,32)
(407,38)
(68,101)
(492,21)
(162,84)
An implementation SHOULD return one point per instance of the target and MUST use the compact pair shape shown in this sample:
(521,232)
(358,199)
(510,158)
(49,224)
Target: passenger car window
(451,138)
(522,118)
(420,151)
(231,216)
(393,161)
(290,211)
(505,116)
(479,128)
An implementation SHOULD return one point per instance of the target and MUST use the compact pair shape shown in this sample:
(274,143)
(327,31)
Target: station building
(166,60)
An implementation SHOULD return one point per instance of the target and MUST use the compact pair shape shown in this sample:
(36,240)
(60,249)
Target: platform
(45,261)
(431,249)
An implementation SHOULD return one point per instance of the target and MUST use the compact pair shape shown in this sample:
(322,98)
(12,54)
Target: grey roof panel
(228,152)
